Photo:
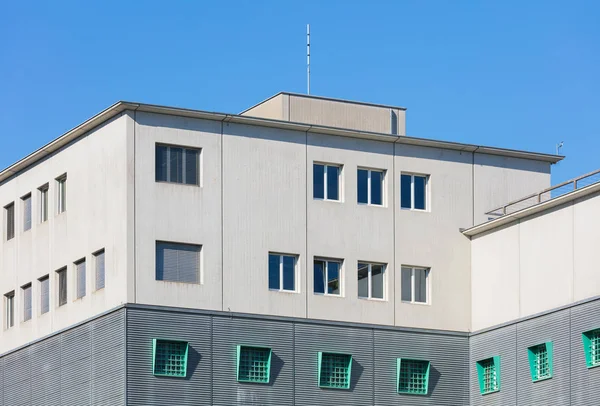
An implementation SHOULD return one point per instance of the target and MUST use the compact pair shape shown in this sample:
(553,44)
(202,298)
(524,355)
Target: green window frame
(169,358)
(412,376)
(540,361)
(335,370)
(253,364)
(591,346)
(488,372)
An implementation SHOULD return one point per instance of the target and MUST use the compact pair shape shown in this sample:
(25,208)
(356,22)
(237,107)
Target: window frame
(10,220)
(155,342)
(43,192)
(24,200)
(495,360)
(589,339)
(61,194)
(184,148)
(532,356)
(9,310)
(326,274)
(369,176)
(370,280)
(320,356)
(412,191)
(77,280)
(95,256)
(24,315)
(412,285)
(239,350)
(62,273)
(200,252)
(398,375)
(326,167)
(40,281)
(296,284)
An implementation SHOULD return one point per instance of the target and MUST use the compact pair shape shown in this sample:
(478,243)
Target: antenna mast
(307,58)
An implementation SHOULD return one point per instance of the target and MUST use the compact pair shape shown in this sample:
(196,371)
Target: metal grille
(541,364)
(413,377)
(254,364)
(335,371)
(595,347)
(490,379)
(170,358)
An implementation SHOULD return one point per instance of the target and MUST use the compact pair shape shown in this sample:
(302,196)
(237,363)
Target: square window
(61,194)
(414,285)
(488,372)
(282,272)
(178,262)
(412,376)
(26,201)
(169,358)
(370,186)
(44,294)
(335,370)
(9,308)
(371,280)
(591,345)
(326,182)
(9,213)
(253,364)
(540,361)
(327,277)
(80,274)
(175,164)
(27,305)
(62,286)
(413,191)
(43,194)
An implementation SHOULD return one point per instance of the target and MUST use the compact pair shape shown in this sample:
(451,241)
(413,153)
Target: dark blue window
(274,262)
(405,191)
(376,187)
(333,186)
(363,186)
(319,269)
(318,181)
(420,194)
(289,274)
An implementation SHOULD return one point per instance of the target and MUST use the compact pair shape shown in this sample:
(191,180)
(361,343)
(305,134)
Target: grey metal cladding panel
(584,380)
(550,392)
(1,381)
(309,340)
(45,357)
(108,359)
(17,378)
(51,399)
(500,342)
(448,377)
(143,388)
(279,336)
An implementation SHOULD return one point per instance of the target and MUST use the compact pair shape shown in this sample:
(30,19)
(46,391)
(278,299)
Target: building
(303,252)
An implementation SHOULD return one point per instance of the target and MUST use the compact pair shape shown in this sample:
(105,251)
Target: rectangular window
(253,364)
(27,308)
(413,191)
(540,361)
(335,370)
(328,275)
(99,265)
(488,372)
(412,376)
(591,345)
(415,285)
(326,182)
(44,294)
(177,165)
(26,212)
(178,262)
(282,272)
(9,306)
(43,203)
(9,211)
(61,194)
(370,186)
(80,276)
(371,280)
(169,358)
(62,286)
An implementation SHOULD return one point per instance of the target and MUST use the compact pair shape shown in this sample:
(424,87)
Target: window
(334,370)
(80,276)
(26,212)
(328,276)
(282,272)
(415,285)
(370,186)
(412,376)
(488,372)
(169,358)
(62,286)
(326,182)
(99,263)
(177,165)
(61,194)
(27,309)
(177,262)
(371,282)
(43,203)
(9,302)
(540,361)
(10,221)
(44,294)
(413,192)
(591,345)
(253,364)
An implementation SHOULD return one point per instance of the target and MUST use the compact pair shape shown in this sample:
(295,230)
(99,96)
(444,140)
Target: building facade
(304,252)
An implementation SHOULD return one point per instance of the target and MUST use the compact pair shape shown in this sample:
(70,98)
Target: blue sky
(514,74)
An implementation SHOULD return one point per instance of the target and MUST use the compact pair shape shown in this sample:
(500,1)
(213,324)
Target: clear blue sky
(515,74)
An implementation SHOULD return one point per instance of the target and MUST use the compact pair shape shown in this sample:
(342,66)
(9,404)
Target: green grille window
(169,358)
(253,364)
(412,376)
(334,370)
(540,361)
(488,371)
(591,345)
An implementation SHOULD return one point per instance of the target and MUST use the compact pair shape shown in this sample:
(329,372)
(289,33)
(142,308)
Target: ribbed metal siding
(45,371)
(108,360)
(230,332)
(584,380)
(17,378)
(448,375)
(145,389)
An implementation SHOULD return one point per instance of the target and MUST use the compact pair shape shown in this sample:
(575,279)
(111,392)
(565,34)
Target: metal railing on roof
(546,194)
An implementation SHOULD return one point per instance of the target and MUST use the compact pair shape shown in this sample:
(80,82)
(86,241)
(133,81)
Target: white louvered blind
(80,278)
(99,270)
(27,302)
(27,213)
(10,221)
(178,262)
(44,295)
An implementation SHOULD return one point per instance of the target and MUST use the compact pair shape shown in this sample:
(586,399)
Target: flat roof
(121,106)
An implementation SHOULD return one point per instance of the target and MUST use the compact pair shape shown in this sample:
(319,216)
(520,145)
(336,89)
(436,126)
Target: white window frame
(44,202)
(183,164)
(296,285)
(61,189)
(412,284)
(326,270)
(370,281)
(412,191)
(325,169)
(383,181)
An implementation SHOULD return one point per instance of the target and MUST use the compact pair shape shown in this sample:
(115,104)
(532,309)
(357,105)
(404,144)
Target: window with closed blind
(61,194)
(176,164)
(99,262)
(178,262)
(26,212)
(44,294)
(9,307)
(9,211)
(62,286)
(80,275)
(43,195)
(26,290)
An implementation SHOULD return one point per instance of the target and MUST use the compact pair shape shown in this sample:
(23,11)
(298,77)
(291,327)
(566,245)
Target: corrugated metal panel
(584,380)
(230,332)
(1,381)
(108,360)
(76,366)
(17,378)
(448,375)
(45,370)
(143,388)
